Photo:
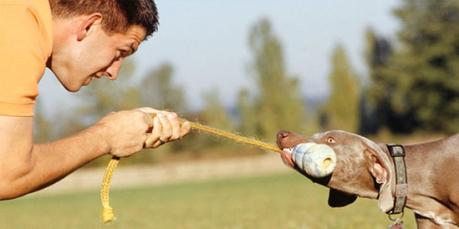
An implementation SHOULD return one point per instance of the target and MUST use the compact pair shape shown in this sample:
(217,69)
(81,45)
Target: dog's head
(349,164)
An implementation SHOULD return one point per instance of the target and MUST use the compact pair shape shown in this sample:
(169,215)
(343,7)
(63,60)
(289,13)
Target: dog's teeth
(288,150)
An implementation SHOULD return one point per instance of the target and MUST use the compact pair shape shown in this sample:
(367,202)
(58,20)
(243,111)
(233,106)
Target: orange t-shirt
(25,45)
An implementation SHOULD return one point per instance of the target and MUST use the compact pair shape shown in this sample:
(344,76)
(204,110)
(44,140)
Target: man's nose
(113,70)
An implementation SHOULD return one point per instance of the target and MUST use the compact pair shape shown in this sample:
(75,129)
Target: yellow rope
(107,211)
(235,137)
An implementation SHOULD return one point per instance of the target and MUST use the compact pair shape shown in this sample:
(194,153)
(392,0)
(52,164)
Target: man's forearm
(26,167)
(47,163)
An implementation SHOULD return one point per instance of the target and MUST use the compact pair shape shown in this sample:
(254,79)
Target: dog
(353,166)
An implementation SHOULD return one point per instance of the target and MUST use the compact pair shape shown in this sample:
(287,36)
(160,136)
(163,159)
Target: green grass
(276,201)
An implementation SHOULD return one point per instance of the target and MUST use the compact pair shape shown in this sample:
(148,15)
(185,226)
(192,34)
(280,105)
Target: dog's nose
(281,135)
(288,139)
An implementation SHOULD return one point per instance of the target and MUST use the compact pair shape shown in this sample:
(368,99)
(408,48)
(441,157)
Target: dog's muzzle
(317,160)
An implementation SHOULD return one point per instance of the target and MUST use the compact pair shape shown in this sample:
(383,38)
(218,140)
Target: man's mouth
(88,80)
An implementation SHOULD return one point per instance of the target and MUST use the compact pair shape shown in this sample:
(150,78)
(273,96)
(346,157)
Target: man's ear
(87,25)
(337,198)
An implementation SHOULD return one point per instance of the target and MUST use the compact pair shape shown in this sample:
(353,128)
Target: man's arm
(26,167)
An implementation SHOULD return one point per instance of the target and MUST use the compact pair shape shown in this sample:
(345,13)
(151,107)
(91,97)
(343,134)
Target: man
(79,40)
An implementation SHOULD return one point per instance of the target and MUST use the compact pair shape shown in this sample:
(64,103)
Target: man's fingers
(158,143)
(149,121)
(175,125)
(148,110)
(148,116)
(153,143)
(150,140)
(185,128)
(153,138)
(166,131)
(166,127)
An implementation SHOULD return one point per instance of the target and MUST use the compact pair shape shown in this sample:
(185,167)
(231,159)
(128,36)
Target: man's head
(92,37)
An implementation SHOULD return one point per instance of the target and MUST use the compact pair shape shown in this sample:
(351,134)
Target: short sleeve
(24,50)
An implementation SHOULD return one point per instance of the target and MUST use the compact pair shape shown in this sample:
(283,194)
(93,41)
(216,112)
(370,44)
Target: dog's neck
(428,192)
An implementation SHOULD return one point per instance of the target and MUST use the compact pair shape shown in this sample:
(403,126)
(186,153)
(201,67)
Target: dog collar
(401,183)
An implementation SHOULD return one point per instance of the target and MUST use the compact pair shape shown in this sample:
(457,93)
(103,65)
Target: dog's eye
(330,140)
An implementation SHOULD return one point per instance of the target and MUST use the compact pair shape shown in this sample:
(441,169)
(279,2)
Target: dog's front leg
(426,223)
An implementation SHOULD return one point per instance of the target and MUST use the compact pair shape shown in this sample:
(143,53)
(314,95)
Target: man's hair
(118,15)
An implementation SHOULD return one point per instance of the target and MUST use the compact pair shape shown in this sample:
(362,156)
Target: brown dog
(351,166)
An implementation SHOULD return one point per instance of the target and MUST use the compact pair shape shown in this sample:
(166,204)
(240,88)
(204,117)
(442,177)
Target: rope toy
(107,211)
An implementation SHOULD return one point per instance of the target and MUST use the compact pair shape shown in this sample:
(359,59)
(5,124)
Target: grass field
(275,201)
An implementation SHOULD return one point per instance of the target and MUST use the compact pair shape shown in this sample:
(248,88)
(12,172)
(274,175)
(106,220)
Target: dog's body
(364,168)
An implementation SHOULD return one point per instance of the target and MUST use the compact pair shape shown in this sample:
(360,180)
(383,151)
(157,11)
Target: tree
(375,110)
(278,103)
(158,91)
(214,113)
(247,114)
(342,108)
(423,73)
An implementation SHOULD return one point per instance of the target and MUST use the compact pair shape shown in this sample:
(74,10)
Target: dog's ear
(375,167)
(379,166)
(337,198)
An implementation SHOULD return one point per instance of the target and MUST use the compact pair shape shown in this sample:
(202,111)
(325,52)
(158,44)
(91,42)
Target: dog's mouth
(288,139)
(288,150)
(317,160)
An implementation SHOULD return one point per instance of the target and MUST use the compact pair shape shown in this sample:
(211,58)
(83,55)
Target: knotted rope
(107,211)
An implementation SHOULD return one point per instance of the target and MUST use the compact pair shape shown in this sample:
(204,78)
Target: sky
(206,41)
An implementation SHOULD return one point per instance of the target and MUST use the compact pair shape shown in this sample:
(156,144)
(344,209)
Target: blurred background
(386,69)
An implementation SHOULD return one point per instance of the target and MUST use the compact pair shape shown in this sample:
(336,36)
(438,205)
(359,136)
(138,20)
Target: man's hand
(127,132)
(166,128)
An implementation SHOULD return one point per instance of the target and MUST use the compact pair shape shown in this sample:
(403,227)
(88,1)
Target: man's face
(94,55)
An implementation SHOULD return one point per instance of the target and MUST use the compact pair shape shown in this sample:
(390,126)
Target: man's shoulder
(26,44)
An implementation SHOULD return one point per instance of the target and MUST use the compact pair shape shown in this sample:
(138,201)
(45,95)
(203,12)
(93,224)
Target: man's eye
(120,54)
(126,52)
